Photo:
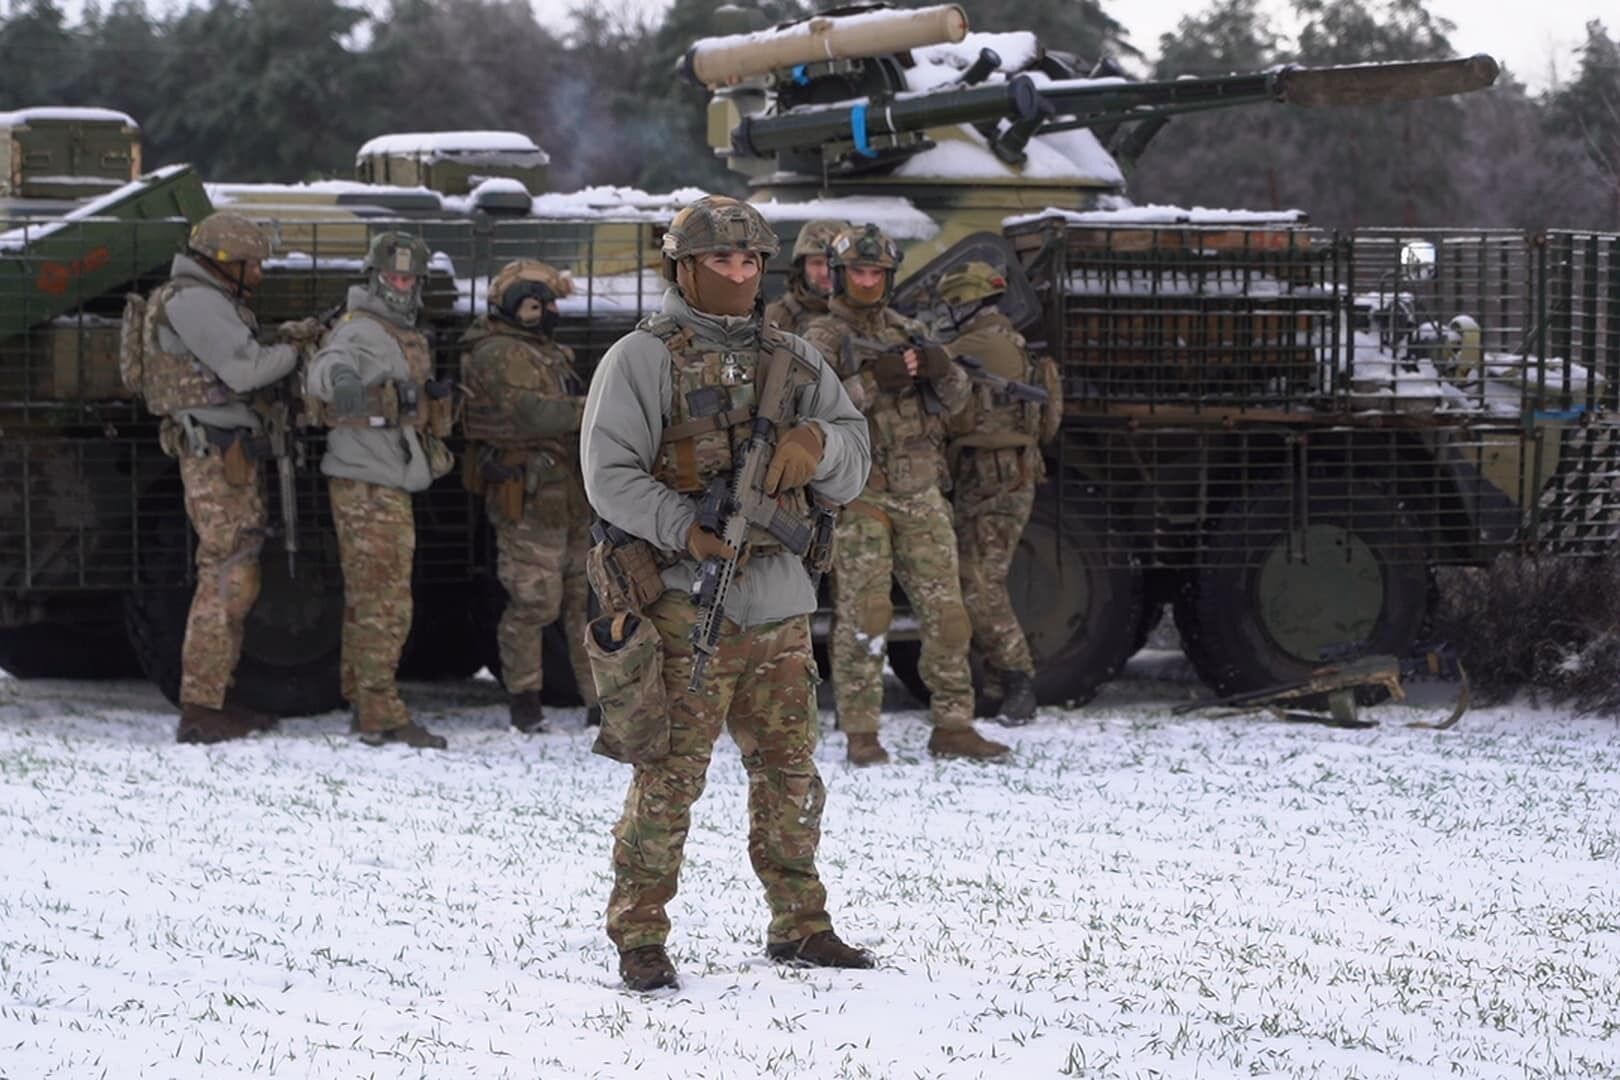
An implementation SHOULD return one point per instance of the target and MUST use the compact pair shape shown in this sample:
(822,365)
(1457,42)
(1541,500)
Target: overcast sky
(1527,36)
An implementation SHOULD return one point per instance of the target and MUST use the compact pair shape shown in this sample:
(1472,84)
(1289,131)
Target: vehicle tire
(292,645)
(448,629)
(89,649)
(1077,598)
(559,688)
(1251,618)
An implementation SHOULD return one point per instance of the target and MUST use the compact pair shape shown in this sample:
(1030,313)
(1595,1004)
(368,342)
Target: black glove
(890,371)
(936,363)
(348,393)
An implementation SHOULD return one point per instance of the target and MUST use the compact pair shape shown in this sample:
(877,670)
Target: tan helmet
(971,282)
(226,237)
(524,278)
(717,223)
(816,236)
(865,245)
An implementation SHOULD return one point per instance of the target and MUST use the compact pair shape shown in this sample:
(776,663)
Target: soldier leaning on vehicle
(668,409)
(901,524)
(524,400)
(995,460)
(201,363)
(372,384)
(809,282)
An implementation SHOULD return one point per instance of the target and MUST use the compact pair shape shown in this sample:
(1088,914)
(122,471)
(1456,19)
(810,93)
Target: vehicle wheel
(1080,607)
(559,687)
(1253,618)
(448,632)
(97,649)
(293,639)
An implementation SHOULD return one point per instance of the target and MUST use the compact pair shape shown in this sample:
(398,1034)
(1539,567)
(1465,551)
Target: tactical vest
(789,312)
(396,403)
(490,414)
(712,408)
(908,442)
(173,382)
(995,425)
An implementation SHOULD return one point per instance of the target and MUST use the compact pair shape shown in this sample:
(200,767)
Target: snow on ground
(1138,895)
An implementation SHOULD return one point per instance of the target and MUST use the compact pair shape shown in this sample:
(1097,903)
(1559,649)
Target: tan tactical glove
(795,460)
(702,544)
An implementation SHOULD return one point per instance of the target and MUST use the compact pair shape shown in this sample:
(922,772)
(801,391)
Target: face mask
(713,293)
(866,296)
(402,302)
(546,323)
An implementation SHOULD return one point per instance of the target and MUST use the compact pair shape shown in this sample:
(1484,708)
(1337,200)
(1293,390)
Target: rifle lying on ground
(729,509)
(1018,391)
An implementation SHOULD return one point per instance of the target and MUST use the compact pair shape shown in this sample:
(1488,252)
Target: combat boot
(1018,706)
(965,743)
(864,749)
(253,718)
(527,715)
(593,716)
(821,949)
(201,724)
(409,733)
(647,968)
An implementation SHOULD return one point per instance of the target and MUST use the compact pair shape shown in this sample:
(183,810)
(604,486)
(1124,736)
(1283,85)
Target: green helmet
(865,245)
(397,253)
(971,282)
(816,236)
(226,237)
(717,223)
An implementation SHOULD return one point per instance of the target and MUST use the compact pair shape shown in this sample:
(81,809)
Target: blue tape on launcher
(799,76)
(857,129)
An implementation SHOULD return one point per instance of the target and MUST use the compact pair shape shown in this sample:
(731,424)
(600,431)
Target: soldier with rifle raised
(202,368)
(901,524)
(706,439)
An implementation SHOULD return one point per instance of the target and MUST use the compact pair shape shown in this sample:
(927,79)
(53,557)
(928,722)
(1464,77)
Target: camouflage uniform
(524,402)
(201,361)
(645,461)
(801,304)
(901,525)
(375,459)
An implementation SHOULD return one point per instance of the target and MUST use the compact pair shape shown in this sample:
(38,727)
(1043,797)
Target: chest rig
(712,404)
(500,372)
(394,403)
(907,428)
(175,381)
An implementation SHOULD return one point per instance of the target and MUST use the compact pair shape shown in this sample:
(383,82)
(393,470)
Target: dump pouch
(627,664)
(240,468)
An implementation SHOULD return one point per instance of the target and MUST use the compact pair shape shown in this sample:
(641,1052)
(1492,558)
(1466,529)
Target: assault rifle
(1018,391)
(730,508)
(277,413)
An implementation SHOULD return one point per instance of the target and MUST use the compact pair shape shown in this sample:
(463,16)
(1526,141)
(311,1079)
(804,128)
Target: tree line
(285,90)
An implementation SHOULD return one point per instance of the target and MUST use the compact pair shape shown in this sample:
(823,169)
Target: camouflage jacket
(907,433)
(990,419)
(203,321)
(795,309)
(629,404)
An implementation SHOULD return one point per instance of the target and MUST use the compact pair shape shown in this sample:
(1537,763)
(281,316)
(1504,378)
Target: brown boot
(527,715)
(254,719)
(647,968)
(822,949)
(409,733)
(864,749)
(965,743)
(201,724)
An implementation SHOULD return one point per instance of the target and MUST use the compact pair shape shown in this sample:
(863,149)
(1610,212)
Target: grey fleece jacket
(392,457)
(625,413)
(206,325)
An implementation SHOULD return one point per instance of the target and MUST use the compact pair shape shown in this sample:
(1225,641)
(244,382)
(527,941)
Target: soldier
(995,464)
(667,407)
(201,361)
(809,282)
(524,402)
(373,378)
(901,524)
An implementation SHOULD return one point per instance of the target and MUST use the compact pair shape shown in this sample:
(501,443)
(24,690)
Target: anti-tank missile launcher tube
(722,61)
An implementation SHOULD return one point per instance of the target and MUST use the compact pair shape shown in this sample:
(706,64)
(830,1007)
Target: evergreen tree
(1588,110)
(40,57)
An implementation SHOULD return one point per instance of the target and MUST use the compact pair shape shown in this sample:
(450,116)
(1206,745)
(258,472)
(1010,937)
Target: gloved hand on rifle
(795,459)
(348,393)
(702,544)
(895,371)
(936,363)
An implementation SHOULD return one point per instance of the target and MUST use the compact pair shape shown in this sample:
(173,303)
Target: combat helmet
(223,237)
(863,245)
(816,236)
(970,285)
(397,253)
(524,278)
(717,223)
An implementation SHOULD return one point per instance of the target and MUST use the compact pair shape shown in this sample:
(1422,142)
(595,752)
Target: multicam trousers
(910,537)
(229,520)
(989,524)
(376,543)
(541,562)
(760,686)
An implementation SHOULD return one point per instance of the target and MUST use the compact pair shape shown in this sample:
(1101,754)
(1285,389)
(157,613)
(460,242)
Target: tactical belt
(255,447)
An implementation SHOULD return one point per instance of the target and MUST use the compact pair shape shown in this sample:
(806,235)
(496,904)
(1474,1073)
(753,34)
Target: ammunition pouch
(502,474)
(623,570)
(627,665)
(429,407)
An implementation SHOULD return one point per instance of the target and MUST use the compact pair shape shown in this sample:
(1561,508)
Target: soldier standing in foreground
(809,282)
(995,462)
(901,524)
(201,362)
(668,407)
(524,403)
(374,376)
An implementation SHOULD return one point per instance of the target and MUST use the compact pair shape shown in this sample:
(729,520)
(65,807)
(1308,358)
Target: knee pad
(954,629)
(876,613)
